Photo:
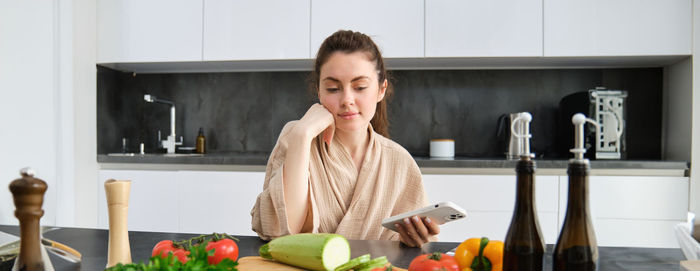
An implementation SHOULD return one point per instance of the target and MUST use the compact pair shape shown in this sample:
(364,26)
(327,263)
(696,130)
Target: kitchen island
(92,243)
(622,213)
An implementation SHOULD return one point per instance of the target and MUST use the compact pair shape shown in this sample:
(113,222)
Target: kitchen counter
(457,165)
(92,243)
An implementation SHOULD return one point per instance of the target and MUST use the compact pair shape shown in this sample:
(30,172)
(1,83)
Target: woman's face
(350,90)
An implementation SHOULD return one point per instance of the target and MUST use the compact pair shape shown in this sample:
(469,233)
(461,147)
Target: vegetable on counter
(197,260)
(372,264)
(163,248)
(223,244)
(205,252)
(223,249)
(385,268)
(434,262)
(315,251)
(480,254)
(351,264)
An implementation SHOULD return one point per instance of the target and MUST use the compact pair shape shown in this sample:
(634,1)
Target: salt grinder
(118,250)
(28,194)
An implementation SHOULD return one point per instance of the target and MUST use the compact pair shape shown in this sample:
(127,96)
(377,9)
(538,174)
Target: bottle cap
(578,120)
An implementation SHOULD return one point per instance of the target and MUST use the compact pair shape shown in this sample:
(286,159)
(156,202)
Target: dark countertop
(260,159)
(230,158)
(92,243)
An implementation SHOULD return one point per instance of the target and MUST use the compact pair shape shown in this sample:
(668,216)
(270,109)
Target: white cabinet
(617,28)
(153,199)
(633,211)
(474,28)
(139,32)
(628,211)
(250,30)
(218,201)
(489,201)
(186,201)
(149,31)
(395,25)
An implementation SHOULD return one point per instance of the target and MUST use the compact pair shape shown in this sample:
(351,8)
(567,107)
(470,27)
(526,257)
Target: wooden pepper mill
(28,194)
(119,250)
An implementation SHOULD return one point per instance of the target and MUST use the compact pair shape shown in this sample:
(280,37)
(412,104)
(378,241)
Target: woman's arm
(296,164)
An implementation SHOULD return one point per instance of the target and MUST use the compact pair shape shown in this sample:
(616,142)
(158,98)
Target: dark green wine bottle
(576,248)
(524,247)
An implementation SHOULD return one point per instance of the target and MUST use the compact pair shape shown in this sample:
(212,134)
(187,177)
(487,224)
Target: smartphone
(441,213)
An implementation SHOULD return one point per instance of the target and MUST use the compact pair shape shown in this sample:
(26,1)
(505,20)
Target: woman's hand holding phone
(414,231)
(317,120)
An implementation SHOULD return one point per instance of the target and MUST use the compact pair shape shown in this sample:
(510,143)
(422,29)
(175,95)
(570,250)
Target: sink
(176,154)
(156,154)
(121,154)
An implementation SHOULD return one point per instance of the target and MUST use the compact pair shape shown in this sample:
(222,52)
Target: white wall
(47,105)
(695,141)
(29,114)
(85,108)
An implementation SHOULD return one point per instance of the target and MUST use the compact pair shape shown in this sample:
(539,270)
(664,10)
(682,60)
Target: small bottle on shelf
(576,248)
(524,246)
(201,142)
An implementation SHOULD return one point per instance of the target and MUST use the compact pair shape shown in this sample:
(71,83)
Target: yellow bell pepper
(480,254)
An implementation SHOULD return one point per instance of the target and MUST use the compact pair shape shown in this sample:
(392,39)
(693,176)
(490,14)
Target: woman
(335,170)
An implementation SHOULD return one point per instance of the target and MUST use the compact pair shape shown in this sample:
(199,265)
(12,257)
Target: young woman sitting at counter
(335,170)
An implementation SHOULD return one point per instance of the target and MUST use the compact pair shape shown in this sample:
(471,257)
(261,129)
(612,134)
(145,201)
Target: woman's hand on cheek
(318,120)
(414,232)
(330,130)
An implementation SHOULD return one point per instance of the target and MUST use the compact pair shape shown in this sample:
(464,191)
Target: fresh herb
(197,261)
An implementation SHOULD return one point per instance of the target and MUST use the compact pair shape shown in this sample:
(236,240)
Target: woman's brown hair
(347,41)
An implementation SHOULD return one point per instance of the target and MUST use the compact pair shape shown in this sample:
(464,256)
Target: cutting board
(254,263)
(690,265)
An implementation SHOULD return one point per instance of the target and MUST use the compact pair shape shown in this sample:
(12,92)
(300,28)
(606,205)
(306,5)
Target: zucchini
(374,263)
(315,251)
(351,264)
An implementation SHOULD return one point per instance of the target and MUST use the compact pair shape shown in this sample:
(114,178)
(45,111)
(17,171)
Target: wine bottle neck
(525,181)
(578,188)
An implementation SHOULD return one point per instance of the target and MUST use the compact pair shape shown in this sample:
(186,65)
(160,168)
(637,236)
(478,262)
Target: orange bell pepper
(480,254)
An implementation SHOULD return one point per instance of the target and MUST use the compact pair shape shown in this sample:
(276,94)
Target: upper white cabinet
(395,25)
(496,33)
(251,30)
(474,28)
(149,30)
(617,28)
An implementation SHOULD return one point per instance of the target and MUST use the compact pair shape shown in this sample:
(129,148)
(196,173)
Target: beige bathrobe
(343,201)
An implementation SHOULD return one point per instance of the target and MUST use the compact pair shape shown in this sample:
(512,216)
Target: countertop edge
(424,170)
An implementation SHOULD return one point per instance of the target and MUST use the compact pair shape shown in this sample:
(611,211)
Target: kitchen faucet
(170,142)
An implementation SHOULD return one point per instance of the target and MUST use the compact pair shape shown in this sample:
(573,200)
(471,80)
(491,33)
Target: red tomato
(224,248)
(433,262)
(166,246)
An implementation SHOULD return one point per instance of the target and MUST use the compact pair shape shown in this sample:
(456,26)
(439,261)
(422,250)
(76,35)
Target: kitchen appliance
(513,130)
(607,108)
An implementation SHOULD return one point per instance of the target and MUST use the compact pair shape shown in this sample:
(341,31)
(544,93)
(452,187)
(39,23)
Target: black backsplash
(244,112)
